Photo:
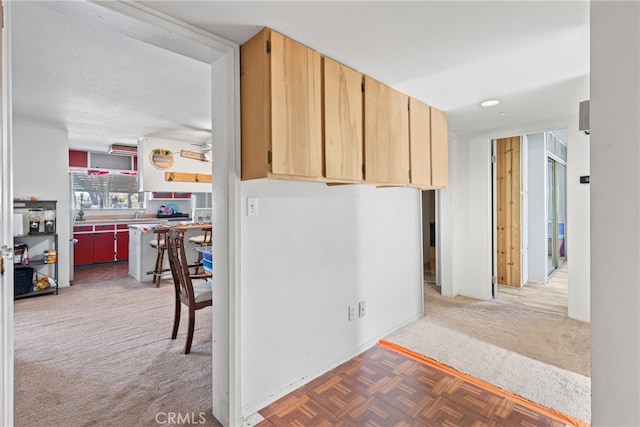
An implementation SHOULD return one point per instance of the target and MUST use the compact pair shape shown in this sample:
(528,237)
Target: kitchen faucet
(137,214)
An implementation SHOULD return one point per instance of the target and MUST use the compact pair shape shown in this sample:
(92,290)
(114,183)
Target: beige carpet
(100,353)
(539,355)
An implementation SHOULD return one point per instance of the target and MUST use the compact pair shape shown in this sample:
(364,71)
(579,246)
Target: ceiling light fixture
(489,103)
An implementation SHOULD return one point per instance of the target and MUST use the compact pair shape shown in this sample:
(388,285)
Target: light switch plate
(252,206)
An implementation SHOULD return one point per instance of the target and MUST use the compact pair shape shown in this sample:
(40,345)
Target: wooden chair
(194,296)
(160,245)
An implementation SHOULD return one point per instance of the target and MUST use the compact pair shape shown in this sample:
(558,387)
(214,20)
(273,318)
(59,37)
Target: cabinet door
(386,134)
(439,149)
(296,120)
(78,159)
(255,106)
(103,247)
(122,245)
(420,142)
(342,122)
(83,249)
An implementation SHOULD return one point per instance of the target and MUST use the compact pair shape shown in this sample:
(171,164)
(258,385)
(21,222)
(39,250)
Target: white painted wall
(151,178)
(524,209)
(465,223)
(537,230)
(41,169)
(312,251)
(615,213)
(578,233)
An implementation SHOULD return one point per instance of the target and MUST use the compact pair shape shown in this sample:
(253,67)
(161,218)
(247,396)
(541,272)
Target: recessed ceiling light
(489,103)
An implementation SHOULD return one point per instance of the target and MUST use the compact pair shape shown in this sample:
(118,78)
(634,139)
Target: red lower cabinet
(83,249)
(104,247)
(100,243)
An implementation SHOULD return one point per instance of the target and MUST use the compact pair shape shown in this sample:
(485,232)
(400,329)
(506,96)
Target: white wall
(41,169)
(465,219)
(578,233)
(537,229)
(615,213)
(312,251)
(151,178)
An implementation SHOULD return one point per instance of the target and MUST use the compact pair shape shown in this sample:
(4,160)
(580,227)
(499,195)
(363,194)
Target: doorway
(429,250)
(540,207)
(508,211)
(221,59)
(556,215)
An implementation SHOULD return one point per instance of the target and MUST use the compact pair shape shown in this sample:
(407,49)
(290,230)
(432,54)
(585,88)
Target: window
(103,189)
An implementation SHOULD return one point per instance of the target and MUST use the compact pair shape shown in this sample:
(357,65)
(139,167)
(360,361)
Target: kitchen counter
(142,257)
(151,220)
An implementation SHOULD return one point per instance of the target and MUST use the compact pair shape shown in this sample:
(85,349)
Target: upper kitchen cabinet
(439,149)
(420,143)
(386,134)
(281,109)
(342,92)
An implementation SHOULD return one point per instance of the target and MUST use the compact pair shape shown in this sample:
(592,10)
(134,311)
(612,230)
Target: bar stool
(202,240)
(160,244)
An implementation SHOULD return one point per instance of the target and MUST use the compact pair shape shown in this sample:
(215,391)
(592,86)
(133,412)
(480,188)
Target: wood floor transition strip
(569,421)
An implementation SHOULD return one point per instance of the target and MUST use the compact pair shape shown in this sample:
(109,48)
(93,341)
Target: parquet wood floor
(382,388)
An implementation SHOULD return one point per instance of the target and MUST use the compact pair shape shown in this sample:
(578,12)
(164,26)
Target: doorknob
(7,253)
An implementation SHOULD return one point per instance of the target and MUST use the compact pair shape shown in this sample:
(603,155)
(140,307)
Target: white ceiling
(106,87)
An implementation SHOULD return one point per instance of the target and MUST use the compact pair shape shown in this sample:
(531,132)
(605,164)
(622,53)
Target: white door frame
(6,230)
(224,60)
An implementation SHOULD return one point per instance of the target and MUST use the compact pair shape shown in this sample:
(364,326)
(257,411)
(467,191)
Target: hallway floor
(553,295)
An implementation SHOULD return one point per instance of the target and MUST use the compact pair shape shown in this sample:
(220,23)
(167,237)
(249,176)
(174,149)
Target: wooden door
(342,122)
(439,149)
(508,211)
(420,143)
(296,115)
(386,134)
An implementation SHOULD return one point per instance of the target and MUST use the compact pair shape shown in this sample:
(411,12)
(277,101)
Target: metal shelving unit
(43,240)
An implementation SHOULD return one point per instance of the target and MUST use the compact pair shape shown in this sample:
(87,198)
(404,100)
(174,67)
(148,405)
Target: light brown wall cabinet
(439,149)
(428,146)
(281,110)
(386,130)
(308,117)
(420,143)
(342,90)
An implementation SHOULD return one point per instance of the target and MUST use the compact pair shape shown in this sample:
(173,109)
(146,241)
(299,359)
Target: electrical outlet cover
(362,308)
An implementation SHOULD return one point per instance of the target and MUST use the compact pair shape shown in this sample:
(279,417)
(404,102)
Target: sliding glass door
(556,214)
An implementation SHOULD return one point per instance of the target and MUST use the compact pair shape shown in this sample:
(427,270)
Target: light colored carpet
(536,354)
(101,354)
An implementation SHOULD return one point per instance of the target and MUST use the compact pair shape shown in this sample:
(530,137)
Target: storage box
(207,258)
(19,252)
(50,257)
(22,280)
